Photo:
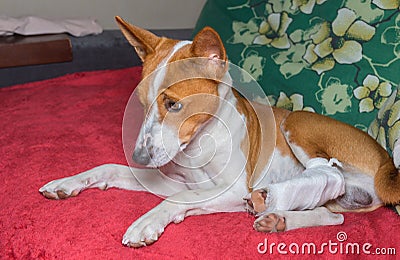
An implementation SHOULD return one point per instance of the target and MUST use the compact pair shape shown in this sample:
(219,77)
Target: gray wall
(150,14)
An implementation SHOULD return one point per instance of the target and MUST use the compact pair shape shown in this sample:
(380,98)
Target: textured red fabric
(59,127)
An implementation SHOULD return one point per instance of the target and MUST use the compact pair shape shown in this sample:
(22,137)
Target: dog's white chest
(281,168)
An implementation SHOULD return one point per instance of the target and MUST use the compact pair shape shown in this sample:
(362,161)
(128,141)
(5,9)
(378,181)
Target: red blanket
(63,126)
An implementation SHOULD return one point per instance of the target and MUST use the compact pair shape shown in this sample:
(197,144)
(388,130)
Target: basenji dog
(208,138)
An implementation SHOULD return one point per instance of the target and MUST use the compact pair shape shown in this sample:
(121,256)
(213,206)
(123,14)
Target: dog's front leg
(282,220)
(108,176)
(148,228)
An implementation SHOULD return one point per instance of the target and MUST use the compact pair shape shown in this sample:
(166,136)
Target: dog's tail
(387,183)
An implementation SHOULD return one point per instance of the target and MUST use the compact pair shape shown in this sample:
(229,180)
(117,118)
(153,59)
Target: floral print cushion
(340,58)
(386,126)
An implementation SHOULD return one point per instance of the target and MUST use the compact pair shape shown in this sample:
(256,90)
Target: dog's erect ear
(208,44)
(143,41)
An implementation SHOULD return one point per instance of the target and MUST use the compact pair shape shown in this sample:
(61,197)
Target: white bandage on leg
(320,182)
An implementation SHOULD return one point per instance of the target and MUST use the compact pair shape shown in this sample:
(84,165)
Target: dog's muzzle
(141,154)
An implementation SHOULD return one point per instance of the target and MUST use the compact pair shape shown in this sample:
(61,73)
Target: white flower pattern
(334,55)
(339,42)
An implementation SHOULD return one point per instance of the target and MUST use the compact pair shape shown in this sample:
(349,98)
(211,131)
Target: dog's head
(179,92)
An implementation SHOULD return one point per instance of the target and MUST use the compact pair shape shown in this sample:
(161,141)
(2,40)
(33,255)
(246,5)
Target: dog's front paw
(62,188)
(270,222)
(145,231)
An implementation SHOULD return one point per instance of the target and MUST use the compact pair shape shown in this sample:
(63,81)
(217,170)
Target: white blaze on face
(157,140)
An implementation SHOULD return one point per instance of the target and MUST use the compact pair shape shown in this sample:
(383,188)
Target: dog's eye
(173,106)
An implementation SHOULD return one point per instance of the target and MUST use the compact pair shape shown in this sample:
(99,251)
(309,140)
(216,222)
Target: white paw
(270,222)
(63,188)
(144,231)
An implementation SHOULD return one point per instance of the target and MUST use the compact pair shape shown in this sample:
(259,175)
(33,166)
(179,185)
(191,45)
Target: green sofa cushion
(337,58)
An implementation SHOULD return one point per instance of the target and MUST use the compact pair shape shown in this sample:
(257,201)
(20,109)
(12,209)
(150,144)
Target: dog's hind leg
(107,176)
(287,220)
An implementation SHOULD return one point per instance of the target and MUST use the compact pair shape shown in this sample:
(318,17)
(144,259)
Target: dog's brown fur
(326,138)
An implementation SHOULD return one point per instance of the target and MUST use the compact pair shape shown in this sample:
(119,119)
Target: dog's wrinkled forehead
(158,81)
(154,70)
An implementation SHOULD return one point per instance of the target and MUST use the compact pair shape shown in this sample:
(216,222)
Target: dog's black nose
(141,156)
